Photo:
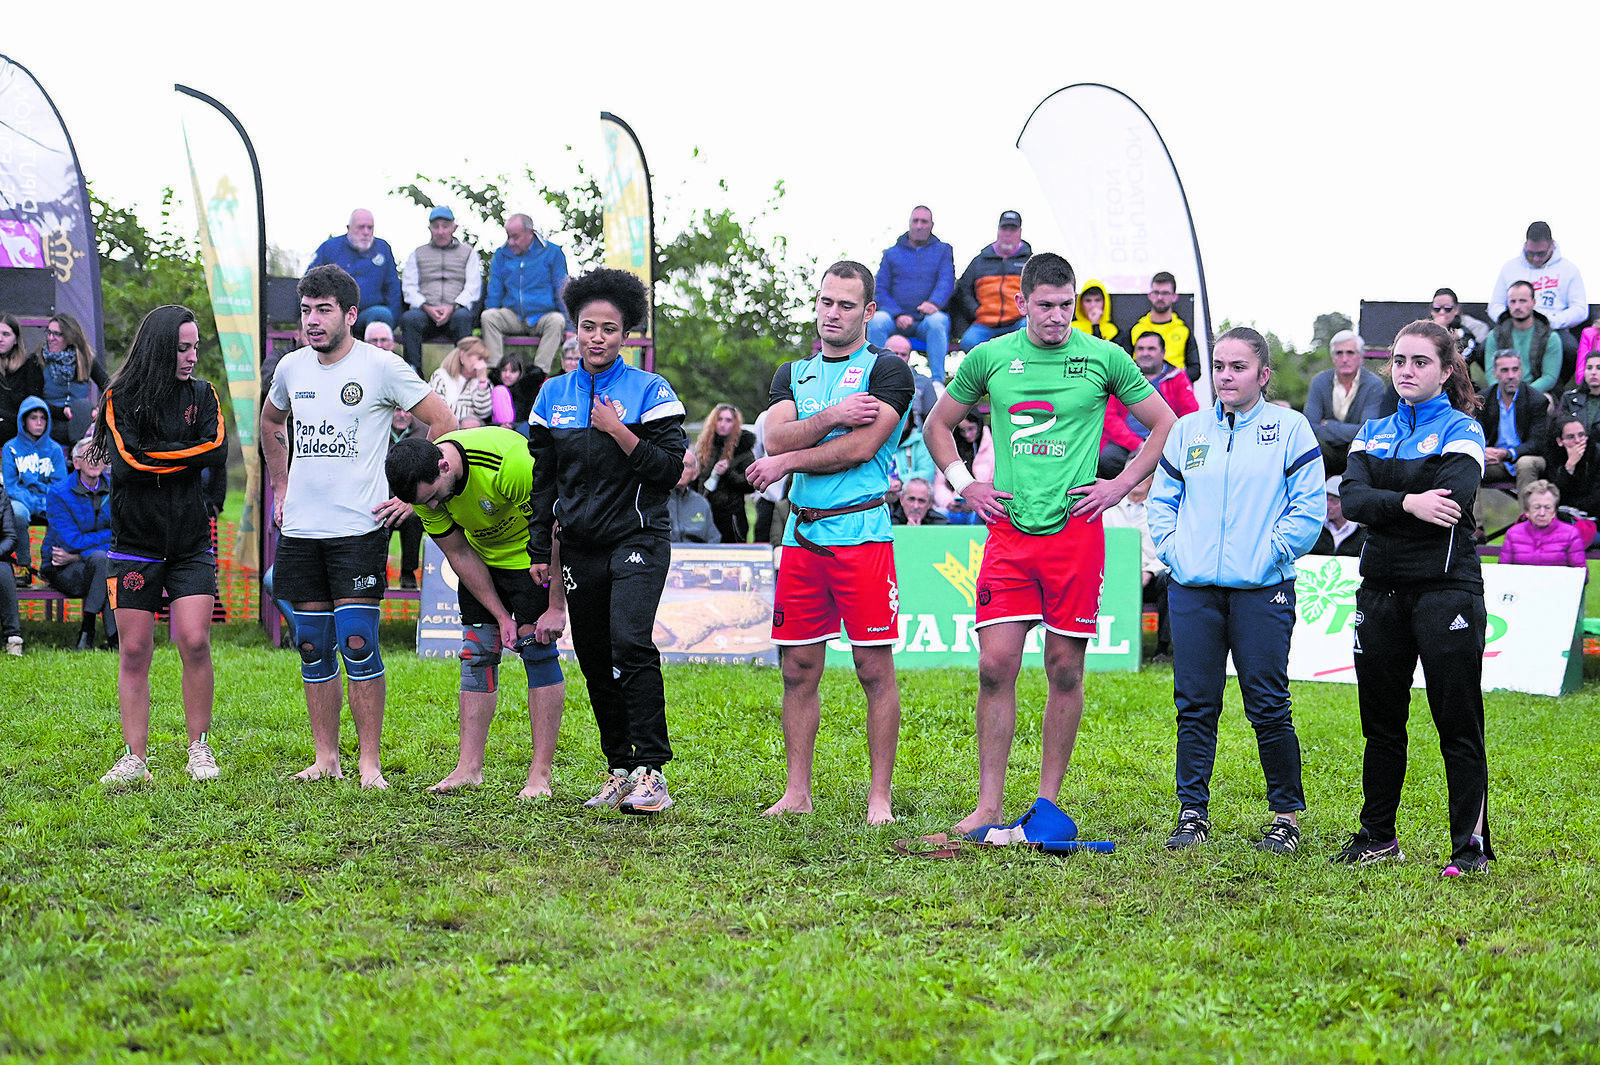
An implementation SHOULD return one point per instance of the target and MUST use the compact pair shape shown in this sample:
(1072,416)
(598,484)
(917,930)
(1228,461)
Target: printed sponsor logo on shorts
(1087,621)
(363,583)
(877,628)
(133,581)
(351,393)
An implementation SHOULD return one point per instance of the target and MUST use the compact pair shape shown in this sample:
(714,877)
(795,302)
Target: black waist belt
(803,515)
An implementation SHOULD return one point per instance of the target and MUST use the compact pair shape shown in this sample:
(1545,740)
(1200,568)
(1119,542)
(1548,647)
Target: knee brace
(480,658)
(356,626)
(541,661)
(313,634)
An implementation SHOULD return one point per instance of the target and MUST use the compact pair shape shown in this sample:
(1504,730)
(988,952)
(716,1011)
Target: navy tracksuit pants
(612,596)
(1445,628)
(1255,624)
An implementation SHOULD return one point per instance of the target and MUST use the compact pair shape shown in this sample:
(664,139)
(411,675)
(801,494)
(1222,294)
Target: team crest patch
(351,393)
(1267,434)
(851,378)
(1077,367)
(777,618)
(378,259)
(1430,445)
(133,581)
(487,505)
(1194,456)
(984,595)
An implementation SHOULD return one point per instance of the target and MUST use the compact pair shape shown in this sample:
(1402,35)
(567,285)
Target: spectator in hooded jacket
(1541,539)
(526,278)
(991,283)
(1557,287)
(21,375)
(1123,433)
(1343,399)
(371,261)
(10,617)
(32,461)
(916,278)
(74,555)
(1093,312)
(1181,349)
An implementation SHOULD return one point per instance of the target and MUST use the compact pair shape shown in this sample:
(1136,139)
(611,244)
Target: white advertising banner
(1533,616)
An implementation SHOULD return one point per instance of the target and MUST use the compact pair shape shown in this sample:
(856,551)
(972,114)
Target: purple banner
(44,206)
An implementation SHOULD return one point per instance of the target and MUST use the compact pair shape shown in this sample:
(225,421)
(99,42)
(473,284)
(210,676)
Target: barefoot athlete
(834,422)
(334,550)
(472,489)
(1047,386)
(607,442)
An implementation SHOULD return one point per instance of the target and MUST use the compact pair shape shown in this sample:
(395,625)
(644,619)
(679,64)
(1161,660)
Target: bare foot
(976,818)
(320,771)
(460,778)
(789,804)
(373,779)
(537,788)
(878,812)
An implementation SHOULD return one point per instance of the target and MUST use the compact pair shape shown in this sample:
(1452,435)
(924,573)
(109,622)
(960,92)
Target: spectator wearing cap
(1515,420)
(1340,535)
(1343,399)
(371,262)
(442,281)
(1558,292)
(526,278)
(989,286)
(916,278)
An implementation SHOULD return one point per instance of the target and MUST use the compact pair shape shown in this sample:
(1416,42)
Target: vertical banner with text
(1117,197)
(627,222)
(226,183)
(45,222)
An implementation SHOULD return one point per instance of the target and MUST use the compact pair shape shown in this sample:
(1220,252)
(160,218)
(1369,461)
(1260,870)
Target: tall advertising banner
(1116,194)
(44,206)
(233,247)
(627,221)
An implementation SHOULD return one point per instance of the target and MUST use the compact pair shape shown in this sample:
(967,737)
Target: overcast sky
(1330,152)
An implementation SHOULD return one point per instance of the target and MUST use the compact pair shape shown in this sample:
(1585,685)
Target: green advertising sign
(937,569)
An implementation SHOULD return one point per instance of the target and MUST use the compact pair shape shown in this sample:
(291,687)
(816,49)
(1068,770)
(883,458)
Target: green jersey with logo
(1048,409)
(494,503)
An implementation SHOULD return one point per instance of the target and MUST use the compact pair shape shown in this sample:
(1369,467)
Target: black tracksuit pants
(1445,628)
(612,596)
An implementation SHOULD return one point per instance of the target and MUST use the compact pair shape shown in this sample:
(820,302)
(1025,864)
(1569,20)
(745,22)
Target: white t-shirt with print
(340,436)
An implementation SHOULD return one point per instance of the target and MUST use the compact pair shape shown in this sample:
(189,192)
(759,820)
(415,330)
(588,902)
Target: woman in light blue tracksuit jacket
(1238,497)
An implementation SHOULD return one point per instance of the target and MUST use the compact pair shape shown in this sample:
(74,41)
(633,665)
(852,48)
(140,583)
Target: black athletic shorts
(525,599)
(137,584)
(325,571)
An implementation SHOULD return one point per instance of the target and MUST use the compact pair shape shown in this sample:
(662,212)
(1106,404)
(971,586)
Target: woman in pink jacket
(1542,540)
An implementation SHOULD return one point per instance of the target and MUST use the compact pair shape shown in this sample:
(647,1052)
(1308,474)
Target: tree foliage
(729,303)
(1326,326)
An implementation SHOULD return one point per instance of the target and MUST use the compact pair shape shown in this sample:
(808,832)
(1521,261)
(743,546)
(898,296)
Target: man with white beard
(371,262)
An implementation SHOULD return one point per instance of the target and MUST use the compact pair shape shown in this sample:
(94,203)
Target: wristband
(959,476)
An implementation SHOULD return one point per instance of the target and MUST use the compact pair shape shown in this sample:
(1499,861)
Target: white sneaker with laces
(129,769)
(202,763)
(14,645)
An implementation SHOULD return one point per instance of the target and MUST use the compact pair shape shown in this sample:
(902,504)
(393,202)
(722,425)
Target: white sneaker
(130,769)
(202,763)
(14,645)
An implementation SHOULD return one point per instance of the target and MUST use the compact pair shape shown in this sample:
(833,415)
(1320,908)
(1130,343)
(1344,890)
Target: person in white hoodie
(1557,289)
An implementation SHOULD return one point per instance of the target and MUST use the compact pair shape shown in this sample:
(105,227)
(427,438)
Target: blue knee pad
(480,658)
(542,661)
(313,634)
(358,621)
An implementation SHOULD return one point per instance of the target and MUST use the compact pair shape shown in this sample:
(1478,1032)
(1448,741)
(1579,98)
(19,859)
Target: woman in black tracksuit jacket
(161,426)
(1411,481)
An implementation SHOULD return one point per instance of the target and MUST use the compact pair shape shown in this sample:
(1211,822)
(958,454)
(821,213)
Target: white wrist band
(959,476)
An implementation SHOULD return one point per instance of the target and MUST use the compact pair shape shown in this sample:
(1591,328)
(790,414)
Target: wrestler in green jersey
(1048,411)
(492,506)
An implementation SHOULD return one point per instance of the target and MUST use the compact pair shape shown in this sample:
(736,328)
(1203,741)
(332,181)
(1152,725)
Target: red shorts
(857,587)
(1055,579)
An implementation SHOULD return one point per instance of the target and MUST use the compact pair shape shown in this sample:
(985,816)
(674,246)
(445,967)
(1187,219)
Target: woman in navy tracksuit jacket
(1411,481)
(1239,496)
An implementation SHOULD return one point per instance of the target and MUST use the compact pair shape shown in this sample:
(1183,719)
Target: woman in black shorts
(161,426)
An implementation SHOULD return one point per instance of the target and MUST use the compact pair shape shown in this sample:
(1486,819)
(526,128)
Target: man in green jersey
(1045,556)
(472,489)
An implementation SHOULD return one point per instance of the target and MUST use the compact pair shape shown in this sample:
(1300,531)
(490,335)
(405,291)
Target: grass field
(254,919)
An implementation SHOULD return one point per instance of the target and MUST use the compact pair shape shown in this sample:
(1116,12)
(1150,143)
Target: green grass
(258,920)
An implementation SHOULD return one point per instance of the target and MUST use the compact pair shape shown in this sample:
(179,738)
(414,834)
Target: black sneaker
(1364,850)
(1474,861)
(1192,831)
(1280,837)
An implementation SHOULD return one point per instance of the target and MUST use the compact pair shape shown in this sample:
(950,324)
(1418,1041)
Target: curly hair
(622,290)
(708,437)
(147,377)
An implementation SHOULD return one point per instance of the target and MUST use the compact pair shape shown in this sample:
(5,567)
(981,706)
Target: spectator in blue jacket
(371,262)
(32,461)
(915,280)
(1239,496)
(74,551)
(526,278)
